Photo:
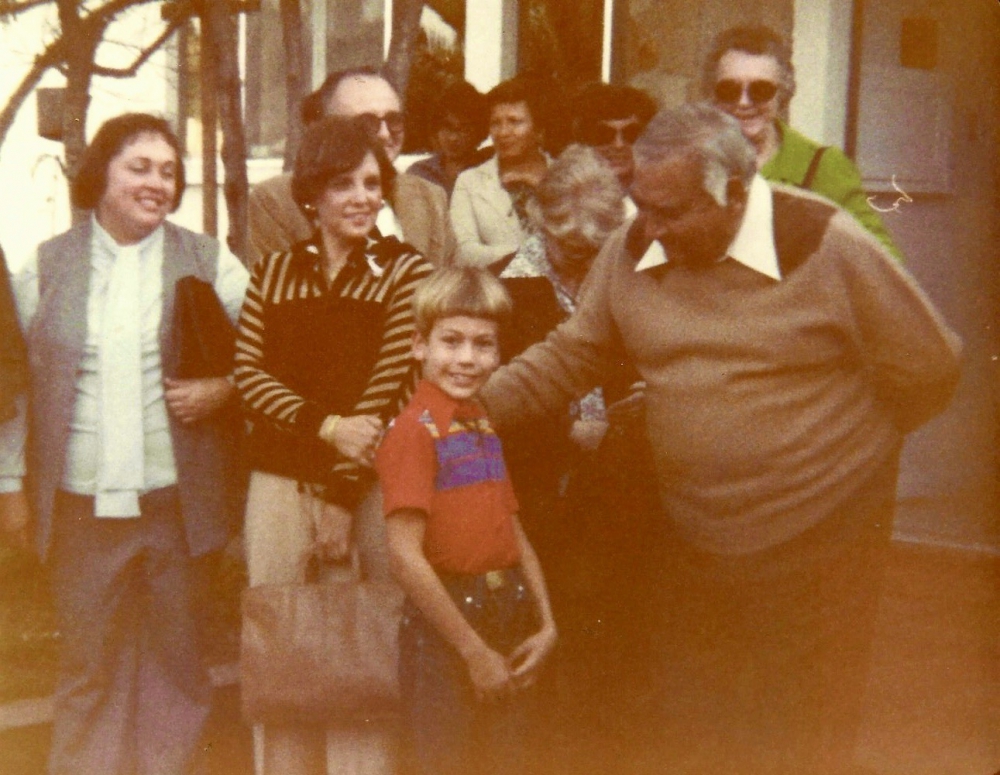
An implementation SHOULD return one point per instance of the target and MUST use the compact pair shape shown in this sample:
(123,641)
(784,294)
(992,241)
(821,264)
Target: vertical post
(854,79)
(318,43)
(183,90)
(490,41)
(387,24)
(607,38)
(209,126)
(822,64)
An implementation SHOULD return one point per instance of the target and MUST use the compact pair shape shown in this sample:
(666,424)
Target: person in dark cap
(609,118)
(458,128)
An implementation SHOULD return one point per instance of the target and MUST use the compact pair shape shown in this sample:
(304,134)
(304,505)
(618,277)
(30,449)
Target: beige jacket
(483,217)
(276,222)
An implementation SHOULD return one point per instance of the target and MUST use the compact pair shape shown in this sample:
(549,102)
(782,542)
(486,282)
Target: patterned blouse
(532,261)
(308,348)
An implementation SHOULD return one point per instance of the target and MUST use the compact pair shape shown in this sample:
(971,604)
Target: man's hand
(357,437)
(333,531)
(15,519)
(630,408)
(527,658)
(191,400)
(588,434)
(491,678)
(530,177)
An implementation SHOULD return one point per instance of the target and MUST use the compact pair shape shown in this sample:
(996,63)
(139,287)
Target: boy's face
(459,354)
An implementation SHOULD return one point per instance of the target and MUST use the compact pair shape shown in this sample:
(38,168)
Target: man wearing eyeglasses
(609,118)
(748,73)
(785,354)
(415,210)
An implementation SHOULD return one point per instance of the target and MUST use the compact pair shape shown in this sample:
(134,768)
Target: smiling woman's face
(347,208)
(512,129)
(141,187)
(738,67)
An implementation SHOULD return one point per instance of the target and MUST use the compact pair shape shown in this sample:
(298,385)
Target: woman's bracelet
(328,427)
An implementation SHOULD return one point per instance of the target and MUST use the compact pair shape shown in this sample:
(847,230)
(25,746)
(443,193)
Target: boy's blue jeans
(450,730)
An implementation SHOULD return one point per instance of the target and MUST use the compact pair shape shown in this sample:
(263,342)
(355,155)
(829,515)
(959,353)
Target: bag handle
(807,181)
(315,567)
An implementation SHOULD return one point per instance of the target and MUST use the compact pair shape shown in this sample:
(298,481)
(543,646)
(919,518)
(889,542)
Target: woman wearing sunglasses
(749,74)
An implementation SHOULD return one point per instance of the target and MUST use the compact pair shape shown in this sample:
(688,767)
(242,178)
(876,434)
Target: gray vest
(209,475)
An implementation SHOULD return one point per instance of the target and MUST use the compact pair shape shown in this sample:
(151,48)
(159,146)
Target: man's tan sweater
(768,402)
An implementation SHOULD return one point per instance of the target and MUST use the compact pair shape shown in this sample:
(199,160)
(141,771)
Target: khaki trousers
(279,536)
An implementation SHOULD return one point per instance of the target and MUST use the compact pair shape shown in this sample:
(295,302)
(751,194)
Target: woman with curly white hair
(583,481)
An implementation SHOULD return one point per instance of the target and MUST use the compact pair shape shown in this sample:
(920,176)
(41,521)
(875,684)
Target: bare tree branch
(144,55)
(8,8)
(295,76)
(221,33)
(47,59)
(405,28)
(103,15)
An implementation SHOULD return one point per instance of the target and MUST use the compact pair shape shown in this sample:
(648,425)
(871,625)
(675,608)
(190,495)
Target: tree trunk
(82,39)
(222,33)
(405,28)
(296,76)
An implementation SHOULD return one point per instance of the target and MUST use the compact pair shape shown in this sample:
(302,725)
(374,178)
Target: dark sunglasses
(601,134)
(759,92)
(372,122)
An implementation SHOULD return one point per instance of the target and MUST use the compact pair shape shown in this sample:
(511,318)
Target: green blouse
(836,177)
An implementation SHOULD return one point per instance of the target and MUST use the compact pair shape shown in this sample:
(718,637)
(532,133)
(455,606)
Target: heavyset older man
(785,355)
(415,211)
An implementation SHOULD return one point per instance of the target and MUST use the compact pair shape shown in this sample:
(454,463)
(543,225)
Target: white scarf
(120,430)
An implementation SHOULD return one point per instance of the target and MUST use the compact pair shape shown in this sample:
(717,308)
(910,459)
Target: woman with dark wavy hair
(323,363)
(133,471)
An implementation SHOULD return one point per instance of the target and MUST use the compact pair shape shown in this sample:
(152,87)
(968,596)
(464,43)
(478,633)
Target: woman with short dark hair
(458,126)
(489,203)
(134,470)
(323,363)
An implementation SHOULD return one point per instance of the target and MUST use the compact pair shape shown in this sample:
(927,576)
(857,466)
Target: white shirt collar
(388,223)
(753,245)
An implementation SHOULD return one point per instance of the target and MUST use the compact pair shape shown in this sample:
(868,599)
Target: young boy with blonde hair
(477,624)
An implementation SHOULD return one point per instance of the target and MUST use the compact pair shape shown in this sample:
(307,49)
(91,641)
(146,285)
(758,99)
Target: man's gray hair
(714,136)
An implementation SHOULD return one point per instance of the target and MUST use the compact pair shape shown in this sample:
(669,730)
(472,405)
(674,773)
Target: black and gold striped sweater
(307,348)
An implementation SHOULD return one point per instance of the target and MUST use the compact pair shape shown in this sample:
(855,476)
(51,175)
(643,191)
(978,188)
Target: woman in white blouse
(133,474)
(488,205)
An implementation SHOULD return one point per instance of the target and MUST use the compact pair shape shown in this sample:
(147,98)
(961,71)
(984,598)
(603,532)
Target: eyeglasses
(604,133)
(372,122)
(732,92)
(455,126)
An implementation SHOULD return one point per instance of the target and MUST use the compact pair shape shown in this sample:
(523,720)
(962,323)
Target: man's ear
(419,346)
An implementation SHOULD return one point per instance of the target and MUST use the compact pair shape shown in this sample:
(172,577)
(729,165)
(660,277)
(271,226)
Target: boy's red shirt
(442,457)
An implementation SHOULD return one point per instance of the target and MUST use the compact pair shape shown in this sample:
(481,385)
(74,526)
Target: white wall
(33,196)
(820,55)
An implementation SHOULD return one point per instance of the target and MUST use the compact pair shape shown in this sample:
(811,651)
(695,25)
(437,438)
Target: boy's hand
(526,659)
(490,675)
(333,531)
